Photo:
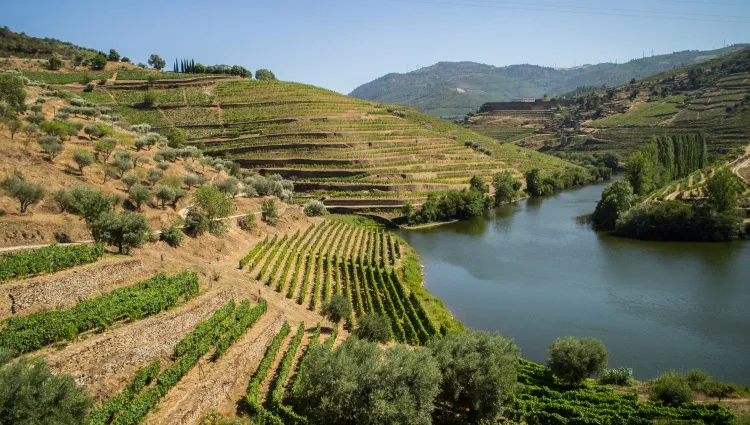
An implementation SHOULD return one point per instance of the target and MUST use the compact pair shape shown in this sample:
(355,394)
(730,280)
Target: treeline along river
(535,270)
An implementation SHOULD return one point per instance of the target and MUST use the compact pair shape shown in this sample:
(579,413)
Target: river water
(535,270)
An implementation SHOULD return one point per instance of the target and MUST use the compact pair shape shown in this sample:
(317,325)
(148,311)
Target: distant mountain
(455,88)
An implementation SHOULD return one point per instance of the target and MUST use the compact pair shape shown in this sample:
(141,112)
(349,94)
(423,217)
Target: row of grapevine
(145,298)
(143,377)
(278,261)
(254,406)
(221,326)
(262,253)
(275,399)
(47,260)
(302,259)
(544,401)
(271,256)
(250,255)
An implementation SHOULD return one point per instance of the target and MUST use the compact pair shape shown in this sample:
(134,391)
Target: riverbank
(534,271)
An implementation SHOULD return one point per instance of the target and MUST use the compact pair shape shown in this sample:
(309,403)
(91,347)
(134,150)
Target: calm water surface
(535,271)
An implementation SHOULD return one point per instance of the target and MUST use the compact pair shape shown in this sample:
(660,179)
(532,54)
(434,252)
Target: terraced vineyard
(334,257)
(331,145)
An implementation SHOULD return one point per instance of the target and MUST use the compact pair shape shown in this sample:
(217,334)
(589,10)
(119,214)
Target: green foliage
(616,199)
(149,98)
(165,194)
(374,327)
(83,158)
(248,222)
(269,211)
(454,204)
(622,376)
(156,62)
(32,332)
(196,222)
(85,201)
(113,55)
(31,394)
(176,137)
(12,93)
(99,61)
(506,187)
(213,203)
(54,63)
(544,401)
(143,377)
(98,130)
(678,221)
(477,183)
(51,146)
(61,129)
(668,158)
(264,75)
(25,192)
(337,308)
(13,126)
(479,372)
(574,360)
(315,208)
(358,382)
(670,388)
(723,190)
(172,235)
(125,230)
(47,260)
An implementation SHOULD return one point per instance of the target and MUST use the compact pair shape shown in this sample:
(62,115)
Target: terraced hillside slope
(712,97)
(365,154)
(453,89)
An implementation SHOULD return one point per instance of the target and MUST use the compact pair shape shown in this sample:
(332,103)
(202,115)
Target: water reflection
(535,270)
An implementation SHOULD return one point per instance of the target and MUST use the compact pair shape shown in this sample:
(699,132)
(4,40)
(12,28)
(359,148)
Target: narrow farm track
(217,385)
(103,363)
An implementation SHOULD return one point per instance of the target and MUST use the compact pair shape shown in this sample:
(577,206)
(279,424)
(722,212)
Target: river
(535,270)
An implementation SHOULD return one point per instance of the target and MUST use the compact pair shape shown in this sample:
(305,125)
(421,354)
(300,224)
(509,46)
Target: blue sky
(341,44)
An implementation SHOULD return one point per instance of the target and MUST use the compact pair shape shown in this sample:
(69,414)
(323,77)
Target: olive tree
(574,360)
(125,230)
(164,194)
(26,193)
(138,195)
(479,372)
(83,159)
(31,394)
(213,203)
(374,327)
(156,62)
(314,208)
(360,383)
(12,94)
(337,308)
(268,211)
(51,146)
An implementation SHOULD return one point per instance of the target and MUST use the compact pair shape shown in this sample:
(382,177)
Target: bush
(574,360)
(196,223)
(479,372)
(149,98)
(249,222)
(32,394)
(315,208)
(616,199)
(98,130)
(213,203)
(622,376)
(506,187)
(83,159)
(374,327)
(337,308)
(172,236)
(268,211)
(670,388)
(89,87)
(24,192)
(54,63)
(99,61)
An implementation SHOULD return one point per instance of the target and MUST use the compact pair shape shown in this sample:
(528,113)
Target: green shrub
(269,212)
(374,327)
(622,376)
(671,388)
(31,394)
(172,236)
(248,222)
(196,222)
(315,208)
(574,360)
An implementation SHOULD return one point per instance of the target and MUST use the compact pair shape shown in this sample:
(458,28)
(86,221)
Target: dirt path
(104,363)
(224,382)
(674,194)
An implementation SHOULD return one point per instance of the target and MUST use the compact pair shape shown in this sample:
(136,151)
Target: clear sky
(340,44)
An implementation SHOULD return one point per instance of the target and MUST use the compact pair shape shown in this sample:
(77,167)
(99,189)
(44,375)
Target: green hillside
(712,97)
(456,88)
